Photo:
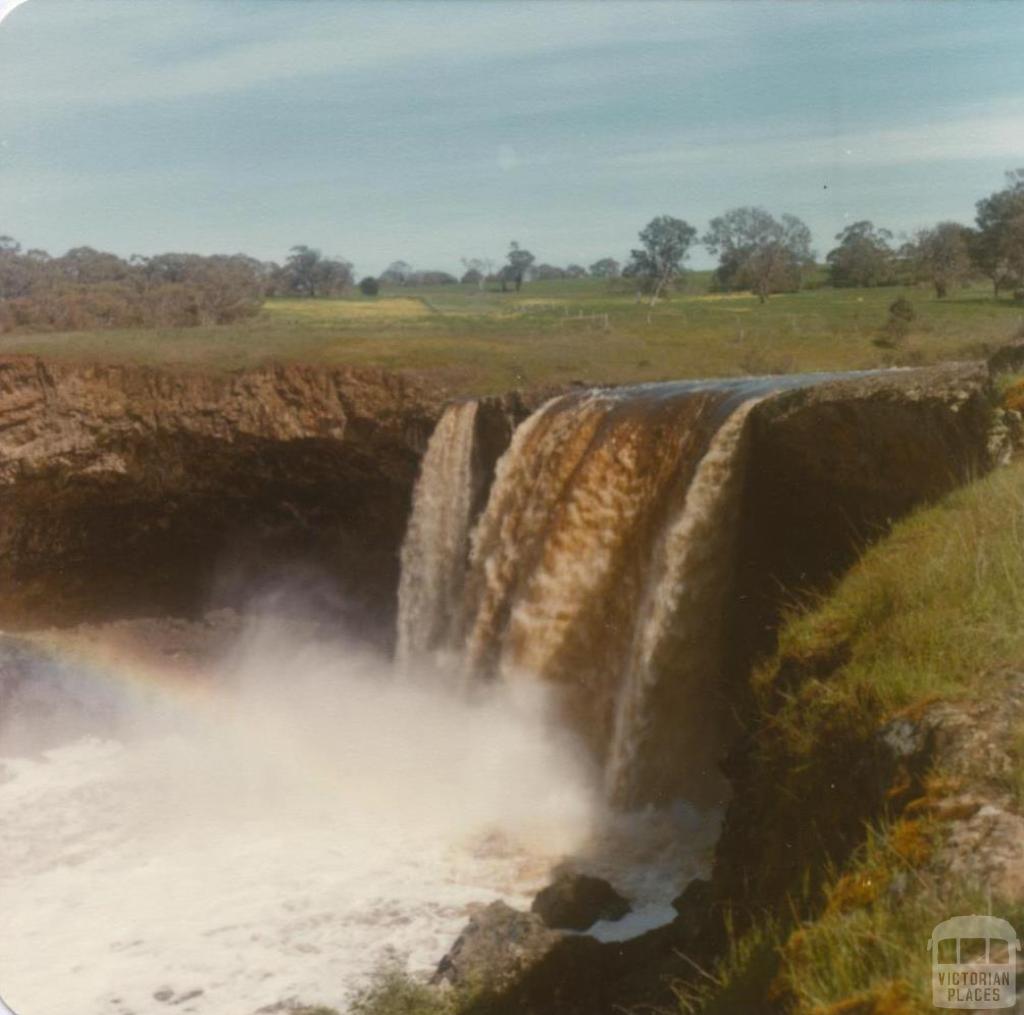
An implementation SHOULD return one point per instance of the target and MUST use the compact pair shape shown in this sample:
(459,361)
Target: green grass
(560,331)
(928,613)
(869,955)
(393,992)
(928,610)
(741,980)
(932,611)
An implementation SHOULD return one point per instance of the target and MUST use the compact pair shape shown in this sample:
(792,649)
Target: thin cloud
(971,135)
(272,46)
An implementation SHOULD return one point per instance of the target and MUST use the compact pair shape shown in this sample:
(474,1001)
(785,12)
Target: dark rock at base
(577,901)
(582,976)
(694,899)
(496,947)
(515,965)
(698,924)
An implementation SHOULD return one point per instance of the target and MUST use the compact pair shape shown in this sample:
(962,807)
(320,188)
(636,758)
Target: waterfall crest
(436,541)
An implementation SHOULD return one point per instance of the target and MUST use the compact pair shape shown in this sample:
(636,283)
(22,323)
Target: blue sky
(436,131)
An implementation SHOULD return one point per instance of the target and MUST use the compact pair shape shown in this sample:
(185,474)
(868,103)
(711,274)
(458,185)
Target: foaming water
(279,836)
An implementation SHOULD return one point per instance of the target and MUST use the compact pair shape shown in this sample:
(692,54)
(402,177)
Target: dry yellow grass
(347,309)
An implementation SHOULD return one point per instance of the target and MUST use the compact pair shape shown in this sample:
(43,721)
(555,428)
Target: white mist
(280,837)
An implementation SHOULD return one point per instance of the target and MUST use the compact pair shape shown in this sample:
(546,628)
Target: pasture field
(561,331)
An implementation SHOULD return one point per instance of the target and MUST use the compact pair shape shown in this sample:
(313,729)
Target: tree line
(756,252)
(88,289)
(762,254)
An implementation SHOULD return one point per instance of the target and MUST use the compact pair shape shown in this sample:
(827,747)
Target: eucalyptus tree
(758,252)
(942,256)
(863,257)
(998,244)
(606,267)
(665,245)
(519,262)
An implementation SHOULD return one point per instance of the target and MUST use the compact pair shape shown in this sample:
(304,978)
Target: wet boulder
(577,901)
(496,947)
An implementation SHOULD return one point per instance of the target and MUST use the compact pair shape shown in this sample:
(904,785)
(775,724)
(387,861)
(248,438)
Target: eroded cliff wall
(133,490)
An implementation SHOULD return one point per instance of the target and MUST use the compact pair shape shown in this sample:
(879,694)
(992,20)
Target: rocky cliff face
(833,464)
(130,490)
(133,490)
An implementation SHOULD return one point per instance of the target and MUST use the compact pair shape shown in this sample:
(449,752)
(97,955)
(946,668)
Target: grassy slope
(928,609)
(490,341)
(928,613)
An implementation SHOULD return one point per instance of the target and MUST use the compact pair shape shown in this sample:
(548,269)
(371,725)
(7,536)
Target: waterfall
(679,640)
(602,565)
(434,552)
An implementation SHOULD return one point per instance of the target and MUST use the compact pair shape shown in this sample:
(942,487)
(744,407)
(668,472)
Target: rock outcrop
(577,901)
(833,464)
(132,490)
(126,489)
(975,744)
(497,946)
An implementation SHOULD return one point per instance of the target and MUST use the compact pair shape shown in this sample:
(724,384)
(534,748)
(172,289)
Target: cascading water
(602,566)
(678,641)
(437,538)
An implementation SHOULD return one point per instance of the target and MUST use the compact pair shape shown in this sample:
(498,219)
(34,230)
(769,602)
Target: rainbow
(129,669)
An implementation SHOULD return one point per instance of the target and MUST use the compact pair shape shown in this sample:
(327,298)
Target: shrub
(89,289)
(369,286)
(897,327)
(394,992)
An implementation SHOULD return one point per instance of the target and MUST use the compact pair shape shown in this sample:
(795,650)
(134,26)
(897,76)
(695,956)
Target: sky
(432,132)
